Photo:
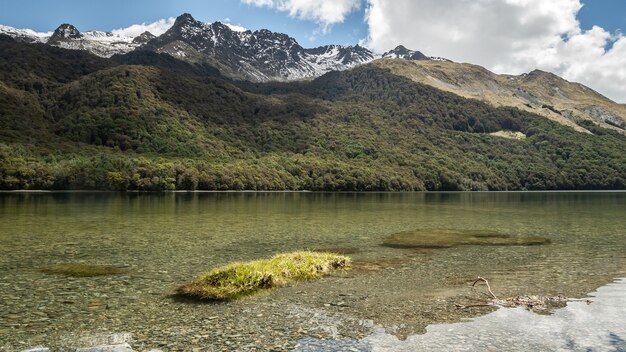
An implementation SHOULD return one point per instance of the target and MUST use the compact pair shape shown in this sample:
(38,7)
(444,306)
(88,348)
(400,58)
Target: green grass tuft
(244,278)
(82,270)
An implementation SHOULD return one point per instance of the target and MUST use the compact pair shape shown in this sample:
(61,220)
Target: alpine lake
(395,297)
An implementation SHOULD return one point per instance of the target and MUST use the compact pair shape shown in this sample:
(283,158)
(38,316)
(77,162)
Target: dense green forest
(146,121)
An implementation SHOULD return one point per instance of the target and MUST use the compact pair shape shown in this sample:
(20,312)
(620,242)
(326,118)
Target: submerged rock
(443,238)
(82,270)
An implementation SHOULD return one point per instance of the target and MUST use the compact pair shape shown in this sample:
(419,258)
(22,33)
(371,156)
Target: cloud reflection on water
(599,326)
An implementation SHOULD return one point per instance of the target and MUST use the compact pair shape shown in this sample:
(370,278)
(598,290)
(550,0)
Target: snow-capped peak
(100,43)
(25,35)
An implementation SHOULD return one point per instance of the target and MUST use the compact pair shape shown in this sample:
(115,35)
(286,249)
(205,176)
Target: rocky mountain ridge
(260,55)
(263,55)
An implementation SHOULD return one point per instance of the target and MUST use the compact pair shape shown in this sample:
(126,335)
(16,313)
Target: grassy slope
(537,92)
(170,125)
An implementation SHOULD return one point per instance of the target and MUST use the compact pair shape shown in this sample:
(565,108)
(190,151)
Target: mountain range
(205,106)
(263,56)
(257,56)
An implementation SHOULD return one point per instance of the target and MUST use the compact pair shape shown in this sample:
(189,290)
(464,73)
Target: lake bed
(164,240)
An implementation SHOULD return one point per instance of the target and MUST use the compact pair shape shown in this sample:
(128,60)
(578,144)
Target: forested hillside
(146,121)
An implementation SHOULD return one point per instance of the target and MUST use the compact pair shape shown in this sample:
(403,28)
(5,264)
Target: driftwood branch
(535,303)
(488,287)
(462,306)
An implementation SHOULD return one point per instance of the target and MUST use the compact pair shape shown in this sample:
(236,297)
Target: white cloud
(157,28)
(236,27)
(324,12)
(507,36)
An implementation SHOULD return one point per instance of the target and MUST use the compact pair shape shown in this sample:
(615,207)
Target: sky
(580,40)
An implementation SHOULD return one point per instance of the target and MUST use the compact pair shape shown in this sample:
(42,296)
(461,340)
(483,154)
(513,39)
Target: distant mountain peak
(103,44)
(186,23)
(183,19)
(65,31)
(401,52)
(143,38)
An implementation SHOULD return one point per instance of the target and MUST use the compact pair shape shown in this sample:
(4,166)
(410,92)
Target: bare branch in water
(488,287)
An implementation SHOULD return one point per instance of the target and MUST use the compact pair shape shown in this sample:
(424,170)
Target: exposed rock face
(65,32)
(143,38)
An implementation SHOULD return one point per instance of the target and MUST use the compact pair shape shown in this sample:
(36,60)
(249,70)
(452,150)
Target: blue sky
(609,14)
(45,16)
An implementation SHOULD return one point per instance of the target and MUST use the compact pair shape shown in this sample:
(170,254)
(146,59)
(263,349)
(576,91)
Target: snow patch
(27,35)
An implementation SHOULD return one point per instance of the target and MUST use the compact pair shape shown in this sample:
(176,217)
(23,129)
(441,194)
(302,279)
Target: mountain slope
(38,67)
(162,125)
(537,92)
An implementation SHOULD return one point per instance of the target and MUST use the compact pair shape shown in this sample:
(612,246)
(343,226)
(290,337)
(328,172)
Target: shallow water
(595,324)
(166,239)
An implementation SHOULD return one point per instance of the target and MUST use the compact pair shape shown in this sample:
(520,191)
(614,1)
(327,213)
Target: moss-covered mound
(243,278)
(441,238)
(82,270)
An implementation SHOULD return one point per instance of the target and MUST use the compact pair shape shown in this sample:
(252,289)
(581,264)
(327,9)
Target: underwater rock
(444,238)
(82,270)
